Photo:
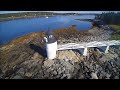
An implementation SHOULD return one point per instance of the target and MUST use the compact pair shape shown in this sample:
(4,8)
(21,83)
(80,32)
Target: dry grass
(116,34)
(68,33)
(5,50)
(116,27)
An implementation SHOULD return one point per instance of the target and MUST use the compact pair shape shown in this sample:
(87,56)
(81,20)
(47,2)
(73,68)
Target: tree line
(21,14)
(25,13)
(110,18)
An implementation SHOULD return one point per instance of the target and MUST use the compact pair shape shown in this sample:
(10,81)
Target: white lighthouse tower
(51,45)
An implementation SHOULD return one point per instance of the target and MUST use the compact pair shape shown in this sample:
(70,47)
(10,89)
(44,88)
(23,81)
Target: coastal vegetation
(37,13)
(116,34)
(113,20)
(67,33)
(110,18)
(11,16)
(20,15)
(25,13)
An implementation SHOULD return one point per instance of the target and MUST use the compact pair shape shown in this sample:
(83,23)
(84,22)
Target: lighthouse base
(51,49)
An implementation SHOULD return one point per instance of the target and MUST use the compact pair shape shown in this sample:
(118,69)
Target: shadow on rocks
(76,50)
(39,49)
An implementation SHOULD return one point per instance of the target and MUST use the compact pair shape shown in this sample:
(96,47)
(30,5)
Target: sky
(3,12)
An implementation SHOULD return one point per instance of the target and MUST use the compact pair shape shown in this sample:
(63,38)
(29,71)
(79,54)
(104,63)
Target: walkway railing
(85,45)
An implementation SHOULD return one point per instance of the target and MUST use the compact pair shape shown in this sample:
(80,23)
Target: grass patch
(115,27)
(6,49)
(68,33)
(116,33)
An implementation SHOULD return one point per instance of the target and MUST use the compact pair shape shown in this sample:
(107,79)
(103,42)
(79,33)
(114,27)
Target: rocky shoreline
(24,62)
(94,34)
(96,66)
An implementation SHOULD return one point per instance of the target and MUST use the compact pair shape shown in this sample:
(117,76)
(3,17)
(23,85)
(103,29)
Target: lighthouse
(51,45)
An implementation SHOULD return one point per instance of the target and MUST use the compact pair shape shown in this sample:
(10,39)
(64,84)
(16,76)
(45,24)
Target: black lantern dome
(50,37)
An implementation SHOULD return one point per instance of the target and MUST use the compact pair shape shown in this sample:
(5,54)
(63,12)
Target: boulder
(35,56)
(116,77)
(17,77)
(21,71)
(94,75)
(48,63)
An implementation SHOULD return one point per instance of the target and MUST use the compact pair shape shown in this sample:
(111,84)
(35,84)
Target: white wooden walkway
(85,45)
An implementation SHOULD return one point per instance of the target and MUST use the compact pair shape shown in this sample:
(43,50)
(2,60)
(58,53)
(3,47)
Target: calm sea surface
(10,30)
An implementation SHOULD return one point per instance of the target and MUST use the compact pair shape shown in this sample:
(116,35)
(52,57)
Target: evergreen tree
(110,18)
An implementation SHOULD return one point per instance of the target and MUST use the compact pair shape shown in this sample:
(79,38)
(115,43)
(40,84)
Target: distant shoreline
(21,17)
(25,17)
(15,16)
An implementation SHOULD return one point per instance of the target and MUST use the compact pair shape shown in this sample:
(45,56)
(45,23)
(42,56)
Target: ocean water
(12,29)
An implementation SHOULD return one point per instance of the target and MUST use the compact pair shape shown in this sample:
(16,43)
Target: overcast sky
(2,12)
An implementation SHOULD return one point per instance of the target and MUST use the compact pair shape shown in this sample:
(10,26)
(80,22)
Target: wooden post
(107,48)
(85,51)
